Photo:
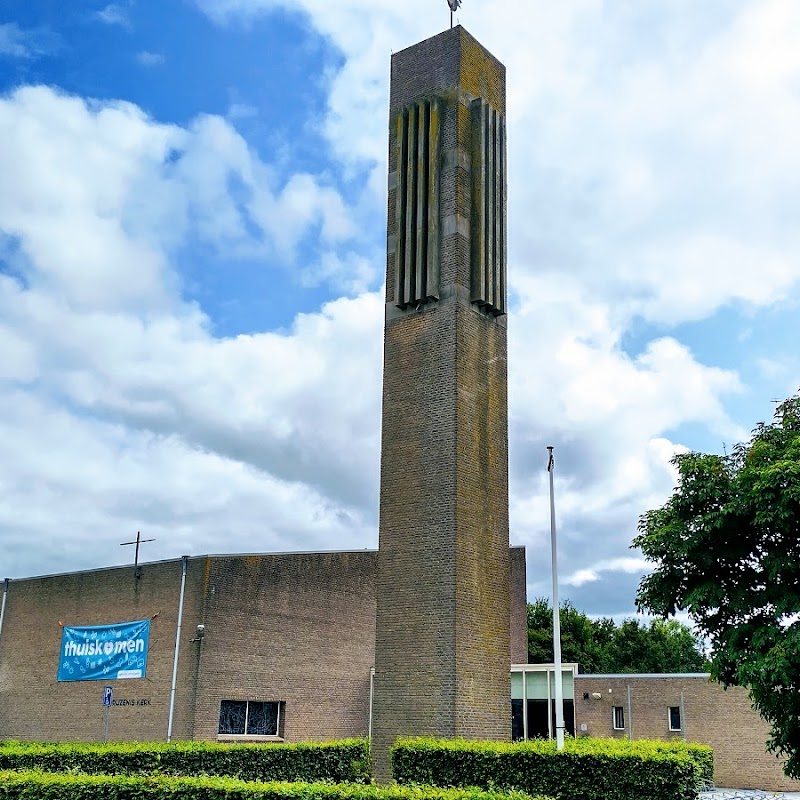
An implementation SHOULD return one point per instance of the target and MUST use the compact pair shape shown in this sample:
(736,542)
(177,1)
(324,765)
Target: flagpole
(559,690)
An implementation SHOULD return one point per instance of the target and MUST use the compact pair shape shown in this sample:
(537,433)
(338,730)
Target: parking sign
(108,691)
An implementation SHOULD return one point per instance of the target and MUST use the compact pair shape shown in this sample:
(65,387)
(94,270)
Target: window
(674,718)
(249,718)
(618,718)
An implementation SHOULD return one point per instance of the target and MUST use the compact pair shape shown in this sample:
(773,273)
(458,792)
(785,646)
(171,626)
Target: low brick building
(285,648)
(689,707)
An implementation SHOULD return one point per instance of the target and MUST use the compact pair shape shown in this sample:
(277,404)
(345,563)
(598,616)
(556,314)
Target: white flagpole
(559,691)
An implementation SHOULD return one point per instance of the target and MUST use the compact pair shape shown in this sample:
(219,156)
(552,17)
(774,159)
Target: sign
(138,702)
(108,692)
(104,652)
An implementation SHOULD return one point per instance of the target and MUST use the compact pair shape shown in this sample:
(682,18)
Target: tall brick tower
(442,642)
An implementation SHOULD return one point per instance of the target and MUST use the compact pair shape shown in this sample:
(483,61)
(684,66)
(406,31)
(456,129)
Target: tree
(600,646)
(581,638)
(726,548)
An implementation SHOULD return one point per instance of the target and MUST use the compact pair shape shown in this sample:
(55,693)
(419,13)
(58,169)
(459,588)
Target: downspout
(371,700)
(525,705)
(3,605)
(683,720)
(184,560)
(630,716)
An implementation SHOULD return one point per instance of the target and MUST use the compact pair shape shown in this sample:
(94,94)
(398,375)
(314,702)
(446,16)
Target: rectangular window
(249,718)
(675,718)
(618,718)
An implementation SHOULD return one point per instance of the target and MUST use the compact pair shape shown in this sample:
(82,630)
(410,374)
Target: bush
(343,761)
(44,786)
(587,769)
(701,755)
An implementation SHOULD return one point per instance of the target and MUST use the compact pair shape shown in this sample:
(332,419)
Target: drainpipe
(683,720)
(184,560)
(371,700)
(525,705)
(3,606)
(630,716)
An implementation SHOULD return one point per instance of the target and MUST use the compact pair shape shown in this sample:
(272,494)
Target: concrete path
(745,794)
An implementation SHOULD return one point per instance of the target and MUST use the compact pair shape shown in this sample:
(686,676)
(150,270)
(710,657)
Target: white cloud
(115,14)
(653,176)
(148,59)
(241,111)
(12,41)
(634,566)
(104,360)
(16,42)
(115,180)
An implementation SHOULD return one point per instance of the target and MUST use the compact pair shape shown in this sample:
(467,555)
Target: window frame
(614,711)
(670,709)
(245,736)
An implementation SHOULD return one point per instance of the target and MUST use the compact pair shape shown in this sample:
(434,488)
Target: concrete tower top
(452,60)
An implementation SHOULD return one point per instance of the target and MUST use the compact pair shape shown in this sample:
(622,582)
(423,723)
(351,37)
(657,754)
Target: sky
(192,250)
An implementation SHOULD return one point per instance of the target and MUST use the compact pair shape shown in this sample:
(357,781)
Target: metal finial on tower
(454,4)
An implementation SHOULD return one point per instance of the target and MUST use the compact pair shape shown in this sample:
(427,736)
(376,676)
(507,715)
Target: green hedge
(342,761)
(587,769)
(700,754)
(46,786)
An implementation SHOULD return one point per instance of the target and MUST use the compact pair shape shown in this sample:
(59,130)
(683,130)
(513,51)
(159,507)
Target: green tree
(600,646)
(581,638)
(726,548)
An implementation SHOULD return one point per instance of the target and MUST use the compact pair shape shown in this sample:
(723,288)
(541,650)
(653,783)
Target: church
(425,636)
(275,647)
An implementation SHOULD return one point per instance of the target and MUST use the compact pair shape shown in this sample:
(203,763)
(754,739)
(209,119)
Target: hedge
(586,769)
(47,786)
(702,755)
(343,761)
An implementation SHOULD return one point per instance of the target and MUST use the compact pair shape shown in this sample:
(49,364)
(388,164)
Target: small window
(618,718)
(249,718)
(675,718)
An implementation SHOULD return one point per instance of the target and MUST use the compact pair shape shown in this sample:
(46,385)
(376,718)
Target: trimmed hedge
(46,786)
(343,761)
(702,755)
(586,769)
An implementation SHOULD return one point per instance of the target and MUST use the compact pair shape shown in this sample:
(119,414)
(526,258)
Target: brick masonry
(519,607)
(297,628)
(722,719)
(34,705)
(443,644)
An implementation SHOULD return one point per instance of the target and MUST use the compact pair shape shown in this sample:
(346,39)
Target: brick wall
(296,628)
(722,719)
(443,643)
(293,628)
(34,705)
(519,607)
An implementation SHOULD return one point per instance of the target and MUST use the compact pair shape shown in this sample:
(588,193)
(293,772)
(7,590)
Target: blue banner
(104,652)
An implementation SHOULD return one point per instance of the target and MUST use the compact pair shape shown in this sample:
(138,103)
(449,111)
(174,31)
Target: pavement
(718,793)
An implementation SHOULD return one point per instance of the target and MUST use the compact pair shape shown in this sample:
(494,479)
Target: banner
(104,652)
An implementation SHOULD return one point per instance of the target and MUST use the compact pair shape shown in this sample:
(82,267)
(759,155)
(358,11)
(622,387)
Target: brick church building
(418,637)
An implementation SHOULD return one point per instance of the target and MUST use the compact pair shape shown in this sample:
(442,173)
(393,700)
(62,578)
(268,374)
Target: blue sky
(192,245)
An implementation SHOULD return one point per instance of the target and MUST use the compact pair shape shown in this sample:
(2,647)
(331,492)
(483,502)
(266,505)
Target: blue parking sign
(108,692)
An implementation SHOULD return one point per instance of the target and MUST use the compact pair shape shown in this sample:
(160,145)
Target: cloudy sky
(192,236)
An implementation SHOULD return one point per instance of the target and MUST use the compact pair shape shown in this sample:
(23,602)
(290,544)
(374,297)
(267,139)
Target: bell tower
(442,640)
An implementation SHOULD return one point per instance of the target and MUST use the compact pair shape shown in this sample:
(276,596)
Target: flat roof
(645,675)
(179,558)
